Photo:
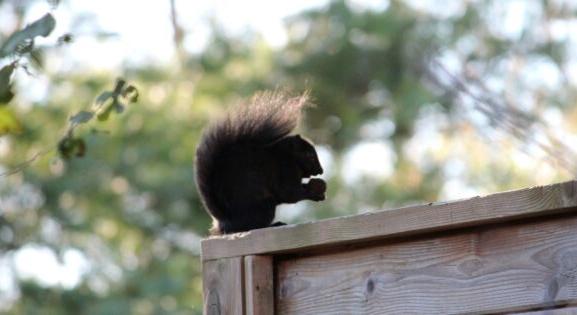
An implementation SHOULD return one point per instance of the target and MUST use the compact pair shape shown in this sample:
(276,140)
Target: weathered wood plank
(223,286)
(556,311)
(259,289)
(499,207)
(491,269)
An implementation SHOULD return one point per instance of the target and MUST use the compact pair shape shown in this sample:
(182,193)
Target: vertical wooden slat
(223,286)
(259,287)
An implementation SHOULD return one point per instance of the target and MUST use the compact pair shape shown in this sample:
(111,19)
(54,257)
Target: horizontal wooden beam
(556,311)
(494,269)
(501,207)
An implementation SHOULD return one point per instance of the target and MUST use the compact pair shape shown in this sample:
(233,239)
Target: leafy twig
(106,103)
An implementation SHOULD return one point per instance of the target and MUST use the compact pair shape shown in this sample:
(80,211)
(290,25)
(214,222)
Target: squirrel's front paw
(316,189)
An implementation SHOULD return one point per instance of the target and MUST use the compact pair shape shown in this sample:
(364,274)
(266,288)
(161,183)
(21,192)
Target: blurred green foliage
(130,205)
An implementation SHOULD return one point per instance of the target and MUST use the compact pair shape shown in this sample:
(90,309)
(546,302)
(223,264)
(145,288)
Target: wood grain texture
(501,207)
(259,289)
(504,268)
(223,286)
(557,311)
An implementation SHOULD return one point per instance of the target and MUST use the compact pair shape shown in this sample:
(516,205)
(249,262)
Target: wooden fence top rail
(412,220)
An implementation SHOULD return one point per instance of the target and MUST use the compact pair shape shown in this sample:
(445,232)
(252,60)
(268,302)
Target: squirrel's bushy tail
(266,118)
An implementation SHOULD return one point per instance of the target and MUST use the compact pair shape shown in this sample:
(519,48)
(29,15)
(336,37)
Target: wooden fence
(513,252)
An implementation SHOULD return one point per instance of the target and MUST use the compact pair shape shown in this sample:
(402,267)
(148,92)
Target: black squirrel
(247,163)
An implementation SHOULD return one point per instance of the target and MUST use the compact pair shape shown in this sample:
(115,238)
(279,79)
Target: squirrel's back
(265,119)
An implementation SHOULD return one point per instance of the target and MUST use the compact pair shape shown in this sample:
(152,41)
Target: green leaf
(65,148)
(6,96)
(42,27)
(82,117)
(8,122)
(130,93)
(104,114)
(6,93)
(103,98)
(108,101)
(69,147)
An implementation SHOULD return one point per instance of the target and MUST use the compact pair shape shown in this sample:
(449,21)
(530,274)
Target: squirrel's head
(305,154)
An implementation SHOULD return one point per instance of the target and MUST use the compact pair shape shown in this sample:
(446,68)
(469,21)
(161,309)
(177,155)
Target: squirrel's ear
(298,137)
